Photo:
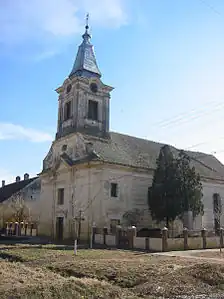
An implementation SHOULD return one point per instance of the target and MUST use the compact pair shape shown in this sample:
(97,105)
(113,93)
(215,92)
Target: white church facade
(98,175)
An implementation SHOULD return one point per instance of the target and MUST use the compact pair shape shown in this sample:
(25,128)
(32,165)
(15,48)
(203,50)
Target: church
(92,175)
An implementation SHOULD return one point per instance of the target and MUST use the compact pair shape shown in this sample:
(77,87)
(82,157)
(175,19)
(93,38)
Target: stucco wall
(46,206)
(208,190)
(88,189)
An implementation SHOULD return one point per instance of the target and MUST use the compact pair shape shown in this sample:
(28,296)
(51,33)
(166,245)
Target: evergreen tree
(163,198)
(190,190)
(176,188)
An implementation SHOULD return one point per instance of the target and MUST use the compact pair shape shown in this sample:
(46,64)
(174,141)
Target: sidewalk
(191,254)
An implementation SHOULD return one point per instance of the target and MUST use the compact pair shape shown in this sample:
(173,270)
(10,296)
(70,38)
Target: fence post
(118,235)
(7,228)
(185,233)
(19,231)
(10,229)
(147,243)
(164,239)
(131,236)
(203,234)
(221,238)
(26,226)
(31,229)
(13,228)
(16,229)
(104,235)
(22,230)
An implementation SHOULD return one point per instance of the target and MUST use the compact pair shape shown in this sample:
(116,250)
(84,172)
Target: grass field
(46,272)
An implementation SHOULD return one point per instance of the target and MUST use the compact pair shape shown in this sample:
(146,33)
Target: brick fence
(20,229)
(127,239)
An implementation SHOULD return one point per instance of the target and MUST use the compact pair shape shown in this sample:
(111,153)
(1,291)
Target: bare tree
(133,217)
(20,211)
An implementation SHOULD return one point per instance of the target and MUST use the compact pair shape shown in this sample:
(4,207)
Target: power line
(211,7)
(177,122)
(206,142)
(181,115)
(192,117)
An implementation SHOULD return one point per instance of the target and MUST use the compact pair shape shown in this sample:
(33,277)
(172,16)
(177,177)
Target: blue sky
(164,58)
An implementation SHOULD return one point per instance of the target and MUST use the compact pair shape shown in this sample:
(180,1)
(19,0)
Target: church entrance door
(59,228)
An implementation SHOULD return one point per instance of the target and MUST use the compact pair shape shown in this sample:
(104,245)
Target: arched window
(67,111)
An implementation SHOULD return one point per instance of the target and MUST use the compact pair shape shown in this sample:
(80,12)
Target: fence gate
(123,239)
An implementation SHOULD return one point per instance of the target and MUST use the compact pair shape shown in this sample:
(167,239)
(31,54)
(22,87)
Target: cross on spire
(87,21)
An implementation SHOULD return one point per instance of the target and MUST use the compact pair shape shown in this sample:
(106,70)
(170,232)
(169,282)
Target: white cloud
(36,19)
(9,131)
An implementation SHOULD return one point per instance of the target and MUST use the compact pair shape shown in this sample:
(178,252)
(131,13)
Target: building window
(113,190)
(64,147)
(67,110)
(93,110)
(69,87)
(61,196)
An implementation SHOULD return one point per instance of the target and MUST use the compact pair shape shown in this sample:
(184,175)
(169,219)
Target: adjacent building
(20,201)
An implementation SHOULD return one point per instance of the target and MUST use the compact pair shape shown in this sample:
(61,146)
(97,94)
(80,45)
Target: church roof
(136,152)
(140,153)
(85,63)
(8,190)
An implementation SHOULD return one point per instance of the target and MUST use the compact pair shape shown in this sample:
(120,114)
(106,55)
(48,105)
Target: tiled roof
(10,189)
(137,152)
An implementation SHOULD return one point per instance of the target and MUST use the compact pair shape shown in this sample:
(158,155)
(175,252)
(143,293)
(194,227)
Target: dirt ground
(48,272)
(214,254)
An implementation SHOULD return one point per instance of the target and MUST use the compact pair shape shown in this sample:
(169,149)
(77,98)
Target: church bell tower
(84,100)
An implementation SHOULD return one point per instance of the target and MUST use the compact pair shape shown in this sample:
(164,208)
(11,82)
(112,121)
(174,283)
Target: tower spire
(85,62)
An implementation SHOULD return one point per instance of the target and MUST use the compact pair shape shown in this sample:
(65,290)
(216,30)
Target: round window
(93,87)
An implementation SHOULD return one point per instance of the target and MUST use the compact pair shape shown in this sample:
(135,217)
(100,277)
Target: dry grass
(32,272)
